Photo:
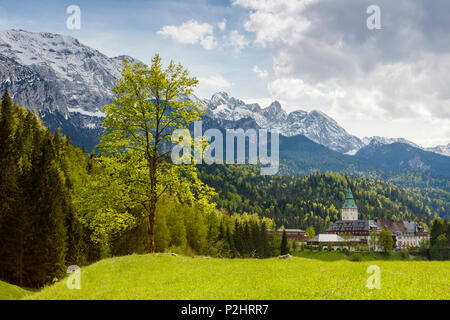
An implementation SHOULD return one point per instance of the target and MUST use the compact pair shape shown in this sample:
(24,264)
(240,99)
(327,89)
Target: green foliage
(373,241)
(404,253)
(39,233)
(284,248)
(438,227)
(146,109)
(310,233)
(386,241)
(439,245)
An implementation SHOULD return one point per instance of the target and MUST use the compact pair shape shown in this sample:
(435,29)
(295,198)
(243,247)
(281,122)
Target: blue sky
(308,54)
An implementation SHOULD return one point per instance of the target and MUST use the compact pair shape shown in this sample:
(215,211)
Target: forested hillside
(298,202)
(39,234)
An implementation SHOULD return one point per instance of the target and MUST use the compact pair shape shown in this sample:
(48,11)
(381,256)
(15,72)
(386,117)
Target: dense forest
(39,234)
(299,202)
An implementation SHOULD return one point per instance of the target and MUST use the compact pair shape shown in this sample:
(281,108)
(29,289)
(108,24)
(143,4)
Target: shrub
(404,253)
(356,257)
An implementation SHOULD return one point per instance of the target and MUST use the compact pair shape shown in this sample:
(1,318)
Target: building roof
(326,238)
(395,227)
(349,201)
(287,230)
(353,225)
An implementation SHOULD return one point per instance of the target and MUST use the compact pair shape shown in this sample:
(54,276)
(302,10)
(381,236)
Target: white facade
(350,214)
(408,241)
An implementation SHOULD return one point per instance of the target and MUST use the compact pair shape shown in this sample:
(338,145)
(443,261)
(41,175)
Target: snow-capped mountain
(443,149)
(315,125)
(67,82)
(384,140)
(51,72)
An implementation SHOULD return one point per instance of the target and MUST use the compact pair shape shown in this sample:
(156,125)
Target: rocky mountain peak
(315,125)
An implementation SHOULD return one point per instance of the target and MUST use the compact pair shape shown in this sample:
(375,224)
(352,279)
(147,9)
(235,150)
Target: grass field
(318,276)
(11,292)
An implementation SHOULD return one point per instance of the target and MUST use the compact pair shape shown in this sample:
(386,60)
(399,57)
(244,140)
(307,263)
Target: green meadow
(12,292)
(312,276)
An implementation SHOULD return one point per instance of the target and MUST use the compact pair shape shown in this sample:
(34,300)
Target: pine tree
(46,191)
(10,223)
(162,235)
(238,238)
(230,240)
(284,249)
(265,241)
(439,227)
(246,240)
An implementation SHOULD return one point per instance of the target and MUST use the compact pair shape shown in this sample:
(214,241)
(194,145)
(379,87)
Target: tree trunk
(151,227)
(21,261)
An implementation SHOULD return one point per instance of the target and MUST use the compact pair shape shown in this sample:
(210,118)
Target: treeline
(189,230)
(183,229)
(315,200)
(39,234)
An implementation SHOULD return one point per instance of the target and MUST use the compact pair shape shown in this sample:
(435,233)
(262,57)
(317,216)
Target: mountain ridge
(66,82)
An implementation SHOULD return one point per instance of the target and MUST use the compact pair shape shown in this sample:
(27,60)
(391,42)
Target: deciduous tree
(149,103)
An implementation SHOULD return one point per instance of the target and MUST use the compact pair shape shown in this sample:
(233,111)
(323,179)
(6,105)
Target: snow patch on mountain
(442,149)
(81,78)
(384,140)
(97,114)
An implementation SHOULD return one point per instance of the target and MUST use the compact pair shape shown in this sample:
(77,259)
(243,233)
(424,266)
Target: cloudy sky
(308,54)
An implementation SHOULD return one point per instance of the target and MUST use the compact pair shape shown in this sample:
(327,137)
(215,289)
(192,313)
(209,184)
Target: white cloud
(191,32)
(263,102)
(296,92)
(214,82)
(237,41)
(222,25)
(275,21)
(374,83)
(211,84)
(261,73)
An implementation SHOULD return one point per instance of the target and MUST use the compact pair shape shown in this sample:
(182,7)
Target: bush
(356,257)
(414,251)
(404,253)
